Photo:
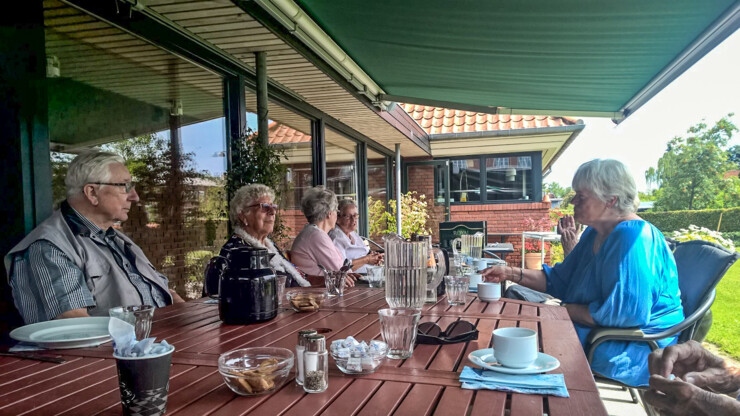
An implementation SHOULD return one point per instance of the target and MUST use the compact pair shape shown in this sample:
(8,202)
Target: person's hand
(695,365)
(349,281)
(677,397)
(569,234)
(175,297)
(374,258)
(496,274)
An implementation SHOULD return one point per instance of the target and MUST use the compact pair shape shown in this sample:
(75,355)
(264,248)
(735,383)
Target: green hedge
(669,221)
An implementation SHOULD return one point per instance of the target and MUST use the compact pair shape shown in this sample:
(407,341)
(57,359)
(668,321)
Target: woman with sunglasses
(252,214)
(348,241)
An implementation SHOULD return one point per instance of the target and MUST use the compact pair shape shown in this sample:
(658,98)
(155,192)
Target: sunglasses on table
(458,331)
(265,207)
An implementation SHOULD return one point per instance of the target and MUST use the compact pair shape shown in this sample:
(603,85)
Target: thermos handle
(216,268)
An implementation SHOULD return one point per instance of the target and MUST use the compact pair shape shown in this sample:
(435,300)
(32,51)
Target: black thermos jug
(247,286)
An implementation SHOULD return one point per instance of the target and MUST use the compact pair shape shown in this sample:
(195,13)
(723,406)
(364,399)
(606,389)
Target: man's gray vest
(108,283)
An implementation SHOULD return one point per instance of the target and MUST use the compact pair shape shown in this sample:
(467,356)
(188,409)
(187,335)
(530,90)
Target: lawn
(725,332)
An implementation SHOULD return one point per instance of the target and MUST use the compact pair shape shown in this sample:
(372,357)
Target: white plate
(65,333)
(485,358)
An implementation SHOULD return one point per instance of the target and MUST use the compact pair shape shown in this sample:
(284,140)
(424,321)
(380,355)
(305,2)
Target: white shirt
(351,249)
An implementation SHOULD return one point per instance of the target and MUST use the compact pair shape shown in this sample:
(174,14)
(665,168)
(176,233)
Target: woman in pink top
(313,246)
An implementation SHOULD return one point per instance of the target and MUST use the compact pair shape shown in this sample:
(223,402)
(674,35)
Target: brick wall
(501,218)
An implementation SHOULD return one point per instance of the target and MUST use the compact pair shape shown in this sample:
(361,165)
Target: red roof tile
(437,120)
(280,133)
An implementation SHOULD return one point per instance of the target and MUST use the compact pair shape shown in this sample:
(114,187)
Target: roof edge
(532,131)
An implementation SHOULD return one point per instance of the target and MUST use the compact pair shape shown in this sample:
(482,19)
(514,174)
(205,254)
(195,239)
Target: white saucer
(488,299)
(485,358)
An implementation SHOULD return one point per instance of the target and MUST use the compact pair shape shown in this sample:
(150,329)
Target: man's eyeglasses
(458,331)
(351,217)
(128,186)
(265,207)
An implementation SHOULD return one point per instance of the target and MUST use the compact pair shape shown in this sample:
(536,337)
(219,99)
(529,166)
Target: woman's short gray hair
(245,196)
(607,178)
(317,203)
(88,167)
(345,203)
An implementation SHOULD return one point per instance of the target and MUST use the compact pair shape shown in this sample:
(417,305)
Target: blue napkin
(477,378)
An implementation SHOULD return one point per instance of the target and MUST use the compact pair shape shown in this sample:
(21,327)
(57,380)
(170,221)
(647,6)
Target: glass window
(376,176)
(164,115)
(341,167)
(291,132)
(509,178)
(465,180)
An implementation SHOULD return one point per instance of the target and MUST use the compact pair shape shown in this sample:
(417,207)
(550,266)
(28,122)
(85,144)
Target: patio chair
(701,265)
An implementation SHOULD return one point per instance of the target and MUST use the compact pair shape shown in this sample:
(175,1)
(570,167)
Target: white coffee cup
(480,264)
(515,347)
(489,292)
(475,278)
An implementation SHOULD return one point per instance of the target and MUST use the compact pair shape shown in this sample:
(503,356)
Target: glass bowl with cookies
(255,371)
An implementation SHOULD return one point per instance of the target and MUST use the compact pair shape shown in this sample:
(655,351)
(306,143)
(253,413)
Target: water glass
(139,316)
(456,289)
(280,280)
(375,276)
(335,281)
(398,328)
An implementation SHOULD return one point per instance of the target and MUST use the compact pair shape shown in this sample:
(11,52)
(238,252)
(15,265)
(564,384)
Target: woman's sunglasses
(458,331)
(266,208)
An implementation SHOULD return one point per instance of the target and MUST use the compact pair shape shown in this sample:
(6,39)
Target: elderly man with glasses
(75,264)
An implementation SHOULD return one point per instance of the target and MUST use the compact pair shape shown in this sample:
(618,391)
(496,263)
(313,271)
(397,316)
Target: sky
(708,91)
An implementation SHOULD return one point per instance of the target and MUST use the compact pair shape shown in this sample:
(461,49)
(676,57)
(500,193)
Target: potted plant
(533,254)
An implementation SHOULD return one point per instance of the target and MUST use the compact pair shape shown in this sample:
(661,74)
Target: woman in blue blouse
(620,274)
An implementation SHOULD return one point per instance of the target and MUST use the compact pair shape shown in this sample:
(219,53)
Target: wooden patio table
(425,384)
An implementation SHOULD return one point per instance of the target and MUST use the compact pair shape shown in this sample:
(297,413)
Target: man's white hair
(607,178)
(88,167)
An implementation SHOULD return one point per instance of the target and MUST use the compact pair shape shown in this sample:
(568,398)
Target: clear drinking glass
(375,276)
(335,281)
(280,280)
(456,289)
(138,316)
(398,328)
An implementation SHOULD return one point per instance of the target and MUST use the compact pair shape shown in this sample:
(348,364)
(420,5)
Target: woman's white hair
(317,203)
(245,196)
(88,167)
(607,178)
(345,203)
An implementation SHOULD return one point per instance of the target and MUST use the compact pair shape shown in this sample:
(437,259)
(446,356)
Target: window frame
(536,177)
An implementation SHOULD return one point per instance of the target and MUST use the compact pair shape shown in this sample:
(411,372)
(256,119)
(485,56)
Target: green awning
(539,56)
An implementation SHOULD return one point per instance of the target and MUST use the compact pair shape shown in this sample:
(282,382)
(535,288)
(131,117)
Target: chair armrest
(601,335)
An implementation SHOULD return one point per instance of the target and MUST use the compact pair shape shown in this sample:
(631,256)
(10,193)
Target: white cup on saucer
(475,278)
(489,292)
(515,347)
(480,264)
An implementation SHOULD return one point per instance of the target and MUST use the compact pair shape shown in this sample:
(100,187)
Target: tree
(690,173)
(557,190)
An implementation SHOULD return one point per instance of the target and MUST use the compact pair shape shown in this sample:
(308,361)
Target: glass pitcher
(436,267)
(405,272)
(470,245)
